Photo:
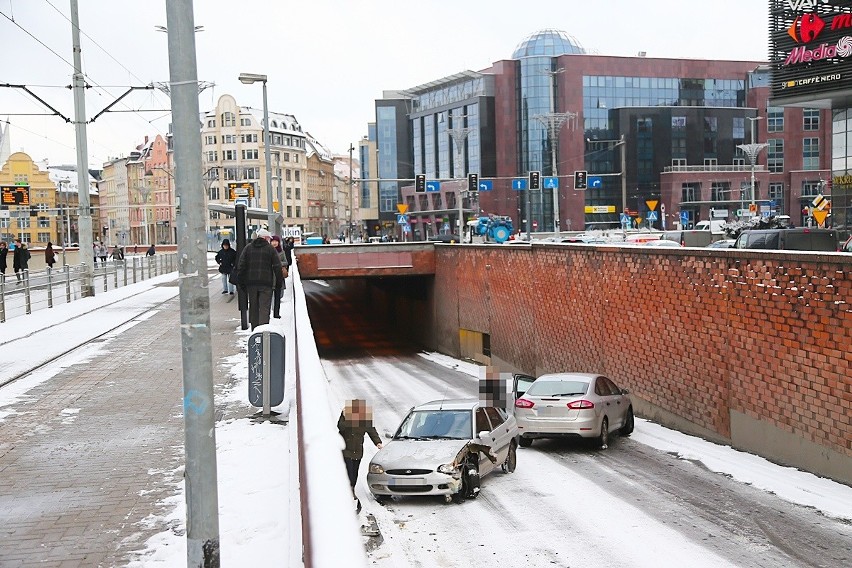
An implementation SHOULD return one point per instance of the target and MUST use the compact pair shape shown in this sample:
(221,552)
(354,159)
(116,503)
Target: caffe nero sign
(810,48)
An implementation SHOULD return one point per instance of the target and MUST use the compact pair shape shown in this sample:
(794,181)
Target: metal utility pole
(84,217)
(623,172)
(459,134)
(202,501)
(351,149)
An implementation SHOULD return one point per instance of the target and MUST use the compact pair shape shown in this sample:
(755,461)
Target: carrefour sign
(810,47)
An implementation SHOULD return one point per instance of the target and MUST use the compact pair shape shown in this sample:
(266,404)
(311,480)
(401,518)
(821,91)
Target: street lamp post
(752,151)
(459,134)
(351,149)
(248,79)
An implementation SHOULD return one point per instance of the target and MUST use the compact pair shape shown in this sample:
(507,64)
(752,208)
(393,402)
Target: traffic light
(420,183)
(580,181)
(473,182)
(535,180)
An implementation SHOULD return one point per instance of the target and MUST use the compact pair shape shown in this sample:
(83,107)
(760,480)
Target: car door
(607,402)
(483,424)
(520,384)
(500,433)
(619,402)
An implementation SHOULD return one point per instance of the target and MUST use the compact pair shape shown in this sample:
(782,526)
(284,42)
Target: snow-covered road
(570,504)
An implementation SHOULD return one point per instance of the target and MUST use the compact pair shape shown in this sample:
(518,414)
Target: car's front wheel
(627,429)
(525,442)
(511,459)
(603,439)
(470,484)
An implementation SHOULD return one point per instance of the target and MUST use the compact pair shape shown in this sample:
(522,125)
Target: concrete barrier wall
(751,348)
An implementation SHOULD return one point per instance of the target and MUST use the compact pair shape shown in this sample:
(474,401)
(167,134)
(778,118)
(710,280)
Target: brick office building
(681,122)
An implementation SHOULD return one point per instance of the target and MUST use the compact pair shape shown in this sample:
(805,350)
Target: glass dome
(547,43)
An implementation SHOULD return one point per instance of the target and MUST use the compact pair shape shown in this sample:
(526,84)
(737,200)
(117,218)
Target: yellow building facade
(29,211)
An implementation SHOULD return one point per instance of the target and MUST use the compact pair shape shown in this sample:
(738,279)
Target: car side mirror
(625,391)
(484,435)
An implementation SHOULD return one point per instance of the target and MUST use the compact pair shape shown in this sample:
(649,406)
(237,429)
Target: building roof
(278,122)
(69,174)
(548,43)
(315,147)
(438,83)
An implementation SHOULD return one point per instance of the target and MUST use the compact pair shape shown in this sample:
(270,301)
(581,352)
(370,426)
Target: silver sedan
(443,448)
(573,405)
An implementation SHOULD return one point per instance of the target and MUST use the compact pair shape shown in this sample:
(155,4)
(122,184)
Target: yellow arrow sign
(651,204)
(820,216)
(402,208)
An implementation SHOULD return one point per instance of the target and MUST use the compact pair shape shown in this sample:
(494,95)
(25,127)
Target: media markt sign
(811,45)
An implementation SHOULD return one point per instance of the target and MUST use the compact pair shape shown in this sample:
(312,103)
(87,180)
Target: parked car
(802,238)
(723,244)
(437,450)
(661,243)
(578,405)
(689,238)
(444,239)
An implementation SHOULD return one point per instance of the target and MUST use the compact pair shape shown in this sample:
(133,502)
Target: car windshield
(558,388)
(436,424)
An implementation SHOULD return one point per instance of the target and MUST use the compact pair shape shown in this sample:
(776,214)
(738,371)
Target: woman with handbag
(276,298)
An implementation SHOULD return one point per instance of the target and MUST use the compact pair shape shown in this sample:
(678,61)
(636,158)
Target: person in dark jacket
(276,298)
(49,256)
(151,250)
(288,245)
(355,420)
(226,258)
(20,260)
(4,250)
(258,271)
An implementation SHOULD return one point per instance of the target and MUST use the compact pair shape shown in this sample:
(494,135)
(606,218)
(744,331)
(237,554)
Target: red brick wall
(696,333)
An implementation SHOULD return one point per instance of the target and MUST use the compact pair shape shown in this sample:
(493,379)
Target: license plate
(406,481)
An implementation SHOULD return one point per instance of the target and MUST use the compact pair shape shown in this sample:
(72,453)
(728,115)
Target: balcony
(716,168)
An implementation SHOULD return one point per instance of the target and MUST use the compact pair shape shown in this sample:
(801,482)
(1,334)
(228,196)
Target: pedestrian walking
(276,297)
(288,245)
(20,260)
(355,420)
(95,254)
(226,258)
(49,256)
(4,250)
(117,253)
(258,271)
(151,250)
(102,252)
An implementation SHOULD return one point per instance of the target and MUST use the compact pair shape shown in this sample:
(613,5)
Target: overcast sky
(327,60)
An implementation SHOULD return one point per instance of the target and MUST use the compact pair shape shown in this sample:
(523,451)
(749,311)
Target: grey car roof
(449,404)
(568,377)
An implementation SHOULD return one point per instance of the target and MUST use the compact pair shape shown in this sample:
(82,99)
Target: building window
(298,194)
(24,222)
(711,124)
(229,139)
(689,191)
(720,191)
(289,193)
(739,161)
(289,210)
(811,119)
(43,222)
(810,154)
(811,188)
(298,175)
(245,122)
(250,154)
(296,158)
(298,211)
(287,175)
(229,155)
(678,124)
(775,156)
(212,156)
(211,123)
(210,140)
(248,138)
(231,174)
(251,173)
(711,162)
(678,162)
(228,119)
(679,148)
(776,191)
(738,128)
(286,156)
(44,237)
(4,222)
(214,193)
(775,119)
(24,238)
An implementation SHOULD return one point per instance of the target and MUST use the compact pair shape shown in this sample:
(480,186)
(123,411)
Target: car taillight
(581,404)
(524,403)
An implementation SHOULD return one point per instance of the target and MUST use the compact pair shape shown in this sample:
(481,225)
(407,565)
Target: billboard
(15,194)
(240,189)
(810,49)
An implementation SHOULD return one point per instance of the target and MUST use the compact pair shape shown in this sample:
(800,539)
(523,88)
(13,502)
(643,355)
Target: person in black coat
(259,271)
(4,250)
(20,260)
(226,258)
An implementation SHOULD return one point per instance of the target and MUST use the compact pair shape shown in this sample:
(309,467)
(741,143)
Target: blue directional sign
(402,219)
(486,185)
(651,216)
(594,182)
(519,183)
(551,183)
(625,218)
(433,186)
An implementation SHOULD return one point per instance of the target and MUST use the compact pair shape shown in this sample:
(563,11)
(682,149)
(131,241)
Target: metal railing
(25,291)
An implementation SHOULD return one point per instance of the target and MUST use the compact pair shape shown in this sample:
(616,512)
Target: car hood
(420,454)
